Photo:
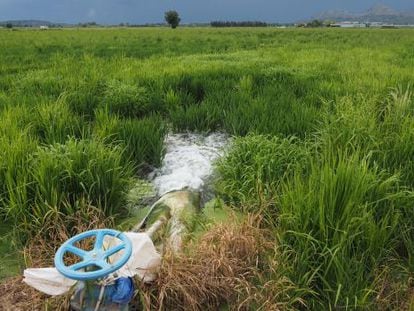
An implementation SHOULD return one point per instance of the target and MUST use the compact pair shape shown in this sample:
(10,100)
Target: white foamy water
(188,162)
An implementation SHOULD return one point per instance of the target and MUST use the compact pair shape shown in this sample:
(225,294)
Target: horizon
(106,12)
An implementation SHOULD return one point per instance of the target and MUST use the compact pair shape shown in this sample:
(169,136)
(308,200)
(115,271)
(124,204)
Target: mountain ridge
(377,13)
(30,23)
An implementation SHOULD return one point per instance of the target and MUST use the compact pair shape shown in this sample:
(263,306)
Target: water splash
(188,162)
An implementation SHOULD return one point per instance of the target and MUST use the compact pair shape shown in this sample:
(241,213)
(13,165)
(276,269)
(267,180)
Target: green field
(323,121)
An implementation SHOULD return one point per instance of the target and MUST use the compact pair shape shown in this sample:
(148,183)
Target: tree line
(238,24)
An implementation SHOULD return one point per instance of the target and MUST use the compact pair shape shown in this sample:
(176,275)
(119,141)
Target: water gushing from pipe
(188,162)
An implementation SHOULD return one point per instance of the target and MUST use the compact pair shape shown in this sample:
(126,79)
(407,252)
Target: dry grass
(222,269)
(395,289)
(39,252)
(17,296)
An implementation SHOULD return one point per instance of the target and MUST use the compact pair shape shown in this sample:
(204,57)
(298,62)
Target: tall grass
(398,125)
(338,225)
(64,174)
(14,177)
(16,146)
(85,98)
(254,168)
(3,100)
(127,100)
(55,123)
(57,179)
(142,140)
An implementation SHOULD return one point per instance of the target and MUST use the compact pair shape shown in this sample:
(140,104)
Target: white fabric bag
(48,281)
(144,260)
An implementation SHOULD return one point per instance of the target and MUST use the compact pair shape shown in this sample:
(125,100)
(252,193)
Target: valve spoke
(102,264)
(99,240)
(76,250)
(114,250)
(79,265)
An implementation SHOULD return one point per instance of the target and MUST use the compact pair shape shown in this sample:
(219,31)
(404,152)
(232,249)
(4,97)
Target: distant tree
(88,24)
(9,25)
(315,23)
(172,18)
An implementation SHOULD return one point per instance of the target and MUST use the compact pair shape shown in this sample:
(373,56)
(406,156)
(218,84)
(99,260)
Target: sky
(152,11)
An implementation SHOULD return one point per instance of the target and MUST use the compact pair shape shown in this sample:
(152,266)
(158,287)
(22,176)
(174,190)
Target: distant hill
(31,23)
(378,13)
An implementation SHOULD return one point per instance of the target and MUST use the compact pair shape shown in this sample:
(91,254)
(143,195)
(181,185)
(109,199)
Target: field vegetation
(323,153)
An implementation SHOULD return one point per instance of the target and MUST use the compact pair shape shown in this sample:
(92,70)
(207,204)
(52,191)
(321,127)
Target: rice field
(322,122)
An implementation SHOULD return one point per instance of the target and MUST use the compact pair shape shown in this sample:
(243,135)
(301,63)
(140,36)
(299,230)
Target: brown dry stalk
(395,290)
(17,296)
(221,268)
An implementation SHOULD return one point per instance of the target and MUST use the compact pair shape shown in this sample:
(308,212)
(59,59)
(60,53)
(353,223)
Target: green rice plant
(142,140)
(85,98)
(3,100)
(383,129)
(193,88)
(398,104)
(16,146)
(397,127)
(105,126)
(206,116)
(336,227)
(256,165)
(172,100)
(398,155)
(54,123)
(15,119)
(246,86)
(258,115)
(349,123)
(126,100)
(15,152)
(41,82)
(398,150)
(203,118)
(64,174)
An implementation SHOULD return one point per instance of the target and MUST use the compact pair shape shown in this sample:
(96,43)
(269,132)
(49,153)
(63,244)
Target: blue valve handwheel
(97,258)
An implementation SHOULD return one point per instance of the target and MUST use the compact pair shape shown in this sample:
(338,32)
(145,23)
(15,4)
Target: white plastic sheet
(143,263)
